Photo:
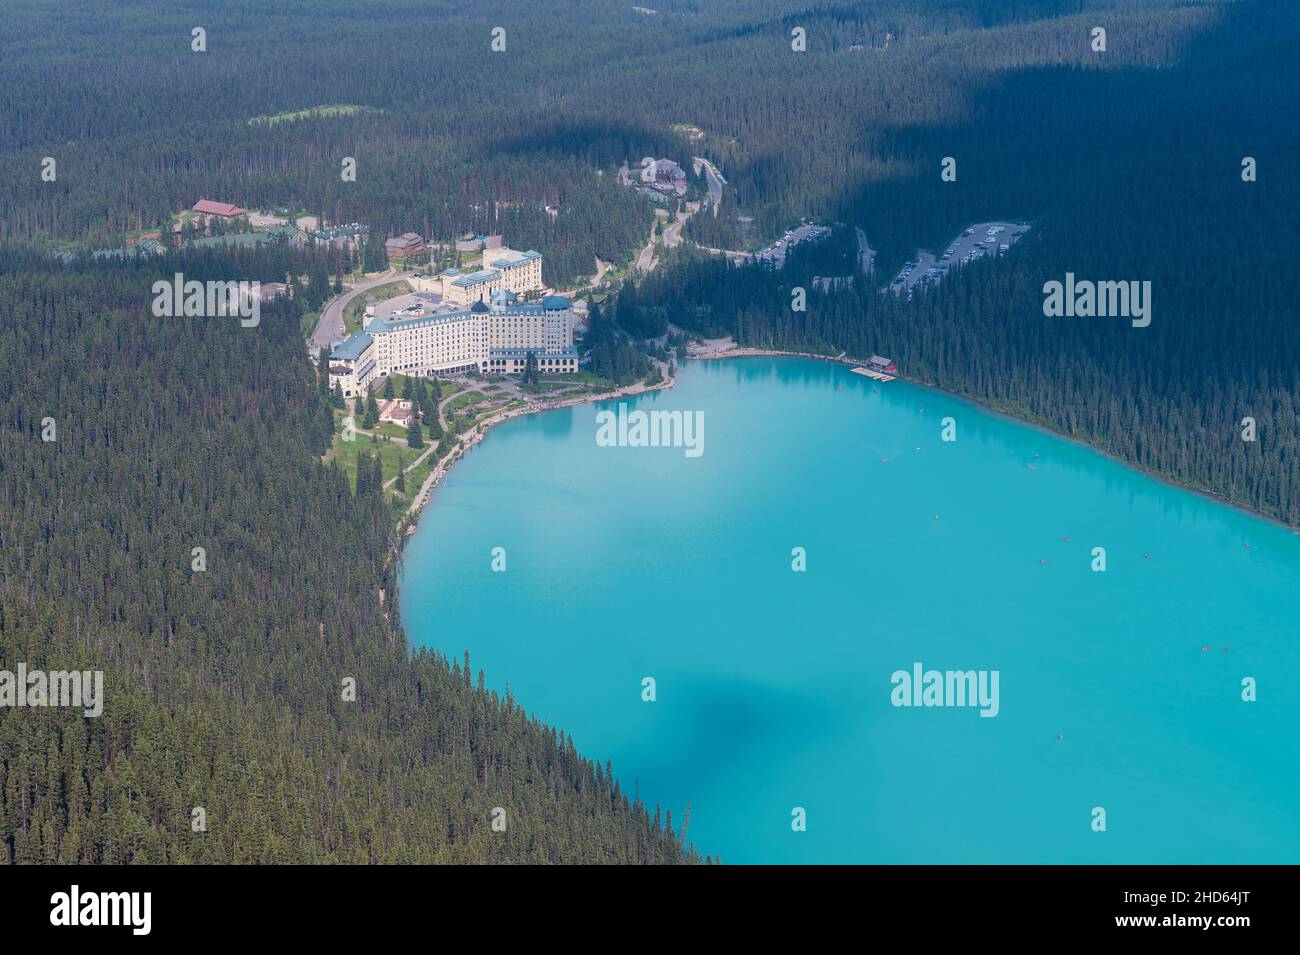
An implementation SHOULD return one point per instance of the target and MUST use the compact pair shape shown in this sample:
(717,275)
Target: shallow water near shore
(774,687)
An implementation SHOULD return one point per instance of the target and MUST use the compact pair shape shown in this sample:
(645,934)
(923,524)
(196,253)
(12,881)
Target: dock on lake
(877,368)
(871,373)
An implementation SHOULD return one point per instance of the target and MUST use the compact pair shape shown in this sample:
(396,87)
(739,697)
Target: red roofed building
(206,207)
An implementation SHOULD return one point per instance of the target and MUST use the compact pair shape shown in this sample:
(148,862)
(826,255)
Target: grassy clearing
(464,400)
(315,112)
(345,453)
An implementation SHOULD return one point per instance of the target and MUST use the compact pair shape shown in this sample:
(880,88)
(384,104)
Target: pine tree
(323,371)
(363,474)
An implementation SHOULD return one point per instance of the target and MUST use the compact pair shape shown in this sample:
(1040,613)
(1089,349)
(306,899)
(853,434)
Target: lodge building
(504,270)
(489,339)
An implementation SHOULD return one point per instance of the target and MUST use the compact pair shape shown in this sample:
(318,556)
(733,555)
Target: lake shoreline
(743,726)
(1207,493)
(409,523)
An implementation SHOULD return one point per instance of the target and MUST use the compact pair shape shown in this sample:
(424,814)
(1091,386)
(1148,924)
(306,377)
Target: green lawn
(463,401)
(347,452)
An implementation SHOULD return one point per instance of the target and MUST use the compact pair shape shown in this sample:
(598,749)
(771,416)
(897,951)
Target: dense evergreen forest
(449,135)
(225,686)
(1132,174)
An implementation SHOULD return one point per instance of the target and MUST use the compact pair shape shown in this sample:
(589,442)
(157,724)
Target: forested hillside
(1132,174)
(225,686)
(450,135)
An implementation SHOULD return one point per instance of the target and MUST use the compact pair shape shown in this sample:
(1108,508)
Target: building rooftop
(351,349)
(508,258)
(242,238)
(378,326)
(208,207)
(476,278)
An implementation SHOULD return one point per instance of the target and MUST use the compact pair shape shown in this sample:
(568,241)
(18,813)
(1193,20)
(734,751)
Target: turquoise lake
(773,687)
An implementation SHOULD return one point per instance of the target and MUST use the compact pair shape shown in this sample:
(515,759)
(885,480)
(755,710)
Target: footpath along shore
(479,429)
(710,349)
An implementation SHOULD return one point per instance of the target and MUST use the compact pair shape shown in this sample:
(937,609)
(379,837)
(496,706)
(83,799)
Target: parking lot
(431,301)
(774,254)
(982,240)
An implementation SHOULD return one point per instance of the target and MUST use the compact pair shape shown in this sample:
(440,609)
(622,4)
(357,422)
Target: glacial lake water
(773,687)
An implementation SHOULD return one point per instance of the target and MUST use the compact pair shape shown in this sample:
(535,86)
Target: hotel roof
(378,326)
(351,349)
(209,207)
(476,278)
(509,258)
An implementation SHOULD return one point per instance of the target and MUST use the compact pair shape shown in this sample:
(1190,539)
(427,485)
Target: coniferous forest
(226,684)
(1121,179)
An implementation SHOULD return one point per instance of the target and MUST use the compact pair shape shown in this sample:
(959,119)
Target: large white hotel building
(492,339)
(504,270)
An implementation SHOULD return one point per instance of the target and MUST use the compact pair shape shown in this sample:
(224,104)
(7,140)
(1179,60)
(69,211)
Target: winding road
(330,327)
(716,183)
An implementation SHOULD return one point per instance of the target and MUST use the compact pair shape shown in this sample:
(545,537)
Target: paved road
(645,261)
(672,237)
(732,254)
(330,327)
(866,254)
(716,182)
(808,232)
(673,233)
